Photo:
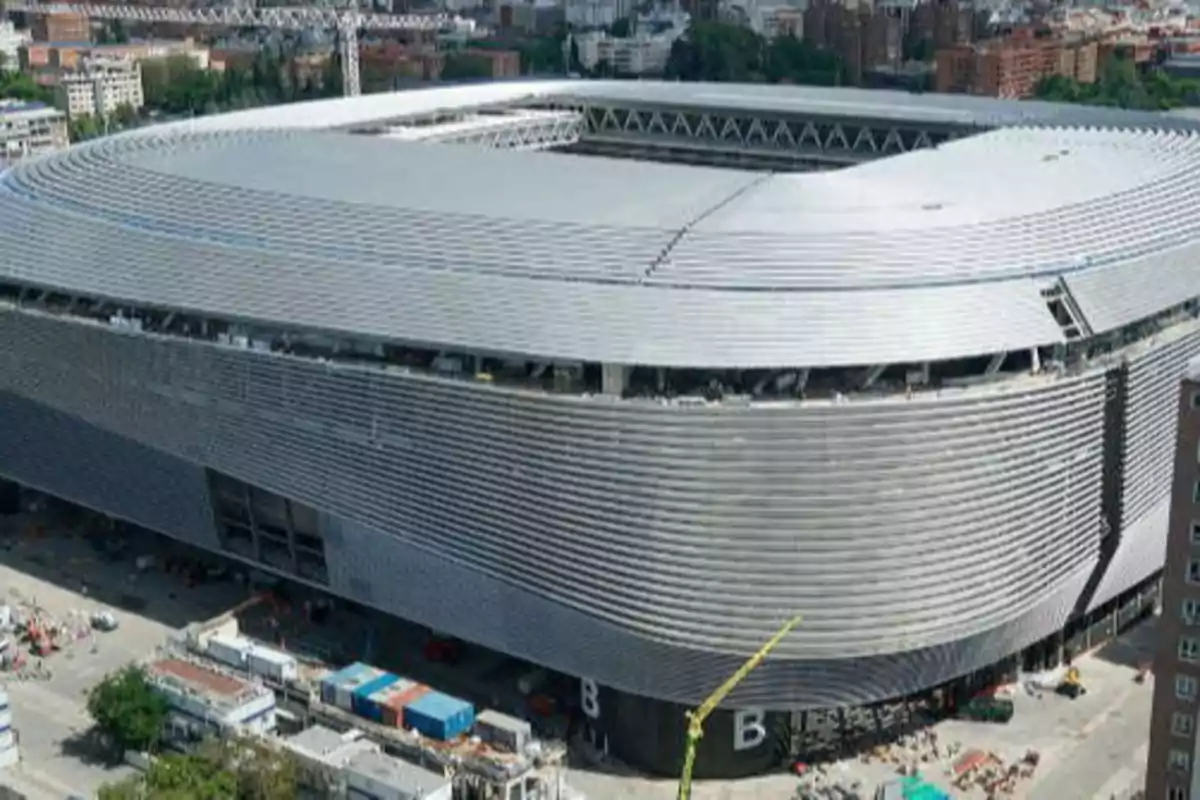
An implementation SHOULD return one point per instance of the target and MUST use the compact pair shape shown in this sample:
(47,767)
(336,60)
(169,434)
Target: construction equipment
(1072,684)
(696,717)
(347,23)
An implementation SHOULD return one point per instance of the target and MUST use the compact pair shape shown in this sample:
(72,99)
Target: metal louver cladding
(58,453)
(1151,419)
(898,525)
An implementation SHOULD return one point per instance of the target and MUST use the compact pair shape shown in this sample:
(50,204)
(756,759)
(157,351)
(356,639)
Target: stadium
(533,365)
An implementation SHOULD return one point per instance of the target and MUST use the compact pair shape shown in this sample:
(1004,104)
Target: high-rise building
(1173,771)
(11,42)
(67,27)
(100,86)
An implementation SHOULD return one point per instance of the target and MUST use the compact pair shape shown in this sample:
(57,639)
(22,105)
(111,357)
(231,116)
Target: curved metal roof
(274,215)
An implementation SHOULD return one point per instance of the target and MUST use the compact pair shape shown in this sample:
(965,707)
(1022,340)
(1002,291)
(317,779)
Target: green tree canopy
(718,51)
(19,86)
(128,710)
(464,66)
(1121,84)
(233,769)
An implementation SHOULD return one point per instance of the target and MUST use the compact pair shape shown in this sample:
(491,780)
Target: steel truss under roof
(280,216)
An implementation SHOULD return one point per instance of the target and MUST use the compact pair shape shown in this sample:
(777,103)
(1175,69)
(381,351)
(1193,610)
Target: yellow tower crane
(696,718)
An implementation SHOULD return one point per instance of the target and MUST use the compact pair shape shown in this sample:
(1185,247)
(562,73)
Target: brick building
(862,37)
(1012,67)
(1173,768)
(61,28)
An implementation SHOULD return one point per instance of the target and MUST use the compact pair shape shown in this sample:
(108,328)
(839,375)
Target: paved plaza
(1092,747)
(62,574)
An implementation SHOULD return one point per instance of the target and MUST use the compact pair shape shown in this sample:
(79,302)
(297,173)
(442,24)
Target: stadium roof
(272,215)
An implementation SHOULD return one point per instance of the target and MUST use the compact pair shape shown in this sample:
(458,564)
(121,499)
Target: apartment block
(66,27)
(1012,68)
(11,42)
(29,129)
(100,86)
(1173,769)
(53,55)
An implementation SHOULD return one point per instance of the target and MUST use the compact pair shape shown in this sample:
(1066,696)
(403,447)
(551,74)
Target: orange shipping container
(393,707)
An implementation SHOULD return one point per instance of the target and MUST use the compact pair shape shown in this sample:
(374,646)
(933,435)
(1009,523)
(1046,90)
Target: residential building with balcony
(100,86)
(29,129)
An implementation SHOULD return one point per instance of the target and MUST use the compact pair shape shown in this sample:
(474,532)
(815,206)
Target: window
(1196,531)
(1195,400)
(1179,759)
(1186,687)
(1182,723)
(1189,649)
(1193,571)
(1176,793)
(1191,611)
(1196,487)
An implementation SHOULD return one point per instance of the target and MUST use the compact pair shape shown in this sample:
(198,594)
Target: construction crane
(347,23)
(696,718)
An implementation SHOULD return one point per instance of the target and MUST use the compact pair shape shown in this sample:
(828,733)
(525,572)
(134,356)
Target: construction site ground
(62,573)
(1094,746)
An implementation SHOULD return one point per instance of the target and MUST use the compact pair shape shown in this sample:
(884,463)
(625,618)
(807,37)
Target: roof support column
(614,379)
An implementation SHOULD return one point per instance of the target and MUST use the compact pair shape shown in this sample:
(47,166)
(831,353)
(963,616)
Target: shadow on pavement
(72,557)
(1134,648)
(91,748)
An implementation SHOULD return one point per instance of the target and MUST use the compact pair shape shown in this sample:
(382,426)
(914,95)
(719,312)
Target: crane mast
(696,718)
(346,23)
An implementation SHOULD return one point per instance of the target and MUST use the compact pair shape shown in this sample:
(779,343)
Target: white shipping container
(273,664)
(232,652)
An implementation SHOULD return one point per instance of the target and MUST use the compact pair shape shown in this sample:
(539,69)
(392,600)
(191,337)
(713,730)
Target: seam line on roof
(665,255)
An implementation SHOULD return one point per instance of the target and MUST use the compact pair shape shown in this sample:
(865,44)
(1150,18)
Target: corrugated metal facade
(1150,422)
(892,525)
(60,454)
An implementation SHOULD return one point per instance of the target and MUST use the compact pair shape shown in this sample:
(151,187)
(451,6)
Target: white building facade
(203,702)
(11,42)
(100,86)
(29,129)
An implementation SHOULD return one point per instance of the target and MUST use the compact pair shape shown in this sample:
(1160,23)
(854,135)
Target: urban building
(640,54)
(29,129)
(1173,768)
(11,42)
(203,702)
(10,753)
(61,27)
(375,776)
(69,56)
(602,413)
(100,86)
(1012,68)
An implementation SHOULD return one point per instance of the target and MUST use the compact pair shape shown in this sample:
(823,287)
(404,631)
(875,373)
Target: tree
(1120,83)
(260,772)
(464,66)
(718,51)
(219,769)
(127,709)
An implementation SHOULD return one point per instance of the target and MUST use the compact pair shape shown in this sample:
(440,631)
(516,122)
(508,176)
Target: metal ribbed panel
(892,525)
(571,320)
(64,456)
(1115,296)
(1139,554)
(1151,420)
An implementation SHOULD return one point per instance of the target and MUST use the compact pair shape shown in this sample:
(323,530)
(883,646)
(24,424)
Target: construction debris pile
(29,634)
(992,774)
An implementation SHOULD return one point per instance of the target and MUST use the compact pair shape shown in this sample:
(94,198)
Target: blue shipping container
(343,676)
(360,700)
(440,716)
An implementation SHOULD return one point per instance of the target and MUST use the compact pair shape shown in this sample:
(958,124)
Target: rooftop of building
(396,773)
(934,254)
(202,680)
